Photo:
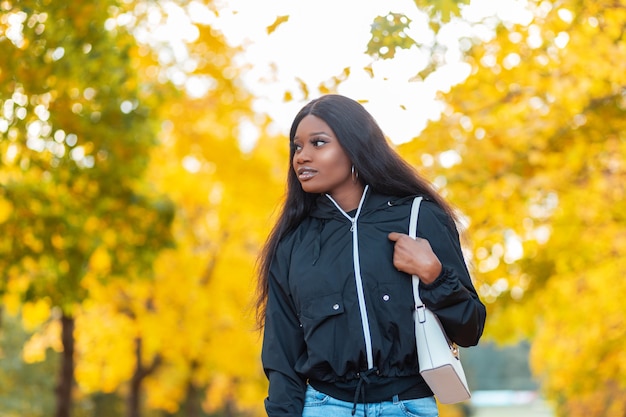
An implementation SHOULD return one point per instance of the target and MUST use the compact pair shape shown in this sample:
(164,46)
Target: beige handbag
(439,361)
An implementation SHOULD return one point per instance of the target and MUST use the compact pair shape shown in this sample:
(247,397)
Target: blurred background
(143,155)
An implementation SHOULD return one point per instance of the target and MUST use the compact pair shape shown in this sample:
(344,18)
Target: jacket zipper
(357,276)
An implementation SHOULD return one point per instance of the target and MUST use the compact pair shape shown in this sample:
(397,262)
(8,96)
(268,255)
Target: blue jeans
(317,404)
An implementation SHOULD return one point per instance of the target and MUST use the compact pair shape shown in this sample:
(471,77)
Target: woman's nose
(302,156)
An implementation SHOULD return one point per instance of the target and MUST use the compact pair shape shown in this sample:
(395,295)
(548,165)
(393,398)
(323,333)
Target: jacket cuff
(444,276)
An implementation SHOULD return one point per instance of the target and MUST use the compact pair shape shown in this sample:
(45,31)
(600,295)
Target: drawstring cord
(360,389)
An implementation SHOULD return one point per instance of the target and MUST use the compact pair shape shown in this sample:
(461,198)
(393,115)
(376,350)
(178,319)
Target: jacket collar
(325,209)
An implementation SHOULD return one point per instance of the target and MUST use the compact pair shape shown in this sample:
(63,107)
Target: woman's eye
(318,142)
(296,146)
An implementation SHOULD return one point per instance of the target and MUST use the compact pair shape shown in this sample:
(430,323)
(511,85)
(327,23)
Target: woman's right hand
(415,257)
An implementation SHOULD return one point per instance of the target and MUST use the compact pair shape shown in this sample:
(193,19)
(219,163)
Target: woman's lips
(306,173)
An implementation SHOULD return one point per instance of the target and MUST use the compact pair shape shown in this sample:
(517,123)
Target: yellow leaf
(6,208)
(35,314)
(369,70)
(34,349)
(57,241)
(279,21)
(100,260)
(11,302)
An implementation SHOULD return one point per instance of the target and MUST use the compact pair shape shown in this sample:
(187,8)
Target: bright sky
(322,37)
(319,40)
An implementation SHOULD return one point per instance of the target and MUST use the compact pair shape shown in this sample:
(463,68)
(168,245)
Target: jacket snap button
(336,307)
(386,297)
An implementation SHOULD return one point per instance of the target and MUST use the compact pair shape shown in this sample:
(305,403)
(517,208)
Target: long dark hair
(376,162)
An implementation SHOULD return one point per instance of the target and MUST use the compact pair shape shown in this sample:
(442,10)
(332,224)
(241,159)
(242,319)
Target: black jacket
(315,331)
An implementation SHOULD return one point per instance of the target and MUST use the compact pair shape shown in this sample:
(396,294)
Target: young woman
(335,296)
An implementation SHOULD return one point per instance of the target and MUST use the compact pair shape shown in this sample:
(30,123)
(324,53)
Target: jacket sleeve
(283,344)
(452,296)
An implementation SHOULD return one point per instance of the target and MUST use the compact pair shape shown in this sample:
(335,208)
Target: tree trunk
(192,405)
(66,374)
(135,382)
(134,396)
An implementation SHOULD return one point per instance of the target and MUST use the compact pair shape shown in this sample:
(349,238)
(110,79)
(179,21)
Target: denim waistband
(376,390)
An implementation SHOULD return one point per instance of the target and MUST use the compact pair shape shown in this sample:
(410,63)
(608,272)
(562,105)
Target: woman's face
(319,162)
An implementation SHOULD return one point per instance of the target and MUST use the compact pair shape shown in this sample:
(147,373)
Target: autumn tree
(196,349)
(76,132)
(532,147)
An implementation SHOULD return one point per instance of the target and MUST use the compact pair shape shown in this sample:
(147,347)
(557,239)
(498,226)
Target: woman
(335,296)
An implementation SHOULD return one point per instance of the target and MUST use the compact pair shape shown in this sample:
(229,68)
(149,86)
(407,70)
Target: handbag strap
(420,308)
(415,209)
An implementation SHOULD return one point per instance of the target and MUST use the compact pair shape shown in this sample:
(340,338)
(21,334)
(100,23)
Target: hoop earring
(355,175)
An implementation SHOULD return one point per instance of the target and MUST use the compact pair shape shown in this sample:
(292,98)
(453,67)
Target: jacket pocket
(321,319)
(320,308)
(393,304)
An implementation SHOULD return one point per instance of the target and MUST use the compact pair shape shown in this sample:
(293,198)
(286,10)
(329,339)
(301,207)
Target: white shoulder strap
(415,209)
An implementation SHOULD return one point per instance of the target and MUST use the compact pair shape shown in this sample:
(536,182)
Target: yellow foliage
(100,261)
(593,340)
(33,242)
(57,241)
(542,148)
(6,209)
(104,347)
(217,394)
(168,391)
(18,281)
(35,313)
(35,348)
(12,303)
